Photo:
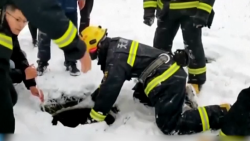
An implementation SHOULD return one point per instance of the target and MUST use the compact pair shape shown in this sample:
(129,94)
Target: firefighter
(44,46)
(191,16)
(48,17)
(162,80)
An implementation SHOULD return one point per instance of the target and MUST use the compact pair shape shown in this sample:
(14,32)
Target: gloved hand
(149,16)
(109,119)
(183,57)
(73,117)
(199,22)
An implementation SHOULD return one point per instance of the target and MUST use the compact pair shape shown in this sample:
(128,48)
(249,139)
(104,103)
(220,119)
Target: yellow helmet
(92,35)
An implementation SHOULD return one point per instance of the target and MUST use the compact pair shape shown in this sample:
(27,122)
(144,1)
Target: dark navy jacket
(68,5)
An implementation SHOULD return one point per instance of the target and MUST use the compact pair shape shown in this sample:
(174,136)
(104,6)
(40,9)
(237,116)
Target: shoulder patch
(123,43)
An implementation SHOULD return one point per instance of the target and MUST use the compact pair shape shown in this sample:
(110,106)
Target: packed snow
(228,41)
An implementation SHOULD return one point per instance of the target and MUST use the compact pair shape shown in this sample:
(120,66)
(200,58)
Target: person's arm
(48,17)
(21,63)
(109,91)
(16,75)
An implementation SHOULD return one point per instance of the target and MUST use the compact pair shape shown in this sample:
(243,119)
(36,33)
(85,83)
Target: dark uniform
(44,52)
(33,31)
(85,15)
(49,18)
(17,74)
(186,14)
(122,59)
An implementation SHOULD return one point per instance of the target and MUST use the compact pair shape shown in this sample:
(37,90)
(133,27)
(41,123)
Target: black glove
(149,16)
(110,118)
(73,117)
(199,22)
(183,57)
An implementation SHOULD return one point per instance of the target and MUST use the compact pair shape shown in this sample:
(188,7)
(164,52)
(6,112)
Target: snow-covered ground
(228,41)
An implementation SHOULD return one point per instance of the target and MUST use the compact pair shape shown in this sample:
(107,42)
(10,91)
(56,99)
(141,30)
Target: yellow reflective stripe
(6,41)
(184,5)
(197,71)
(205,7)
(67,37)
(160,4)
(222,134)
(149,4)
(204,118)
(225,137)
(132,53)
(96,116)
(163,77)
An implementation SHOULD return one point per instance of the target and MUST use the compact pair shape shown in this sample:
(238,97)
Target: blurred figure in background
(33,32)
(86,8)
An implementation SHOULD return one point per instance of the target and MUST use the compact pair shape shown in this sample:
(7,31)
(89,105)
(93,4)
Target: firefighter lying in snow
(162,84)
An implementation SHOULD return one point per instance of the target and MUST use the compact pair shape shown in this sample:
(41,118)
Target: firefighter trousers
(165,34)
(168,98)
(85,15)
(33,31)
(237,121)
(44,41)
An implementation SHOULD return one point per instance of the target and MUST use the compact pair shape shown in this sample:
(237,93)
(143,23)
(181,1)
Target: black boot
(72,68)
(42,67)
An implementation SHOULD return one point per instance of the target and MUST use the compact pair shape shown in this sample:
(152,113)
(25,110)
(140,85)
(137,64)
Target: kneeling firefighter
(162,84)
(191,15)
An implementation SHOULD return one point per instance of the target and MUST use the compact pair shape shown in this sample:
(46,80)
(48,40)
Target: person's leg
(165,33)
(85,15)
(192,40)
(169,99)
(43,52)
(33,32)
(237,121)
(71,64)
(7,119)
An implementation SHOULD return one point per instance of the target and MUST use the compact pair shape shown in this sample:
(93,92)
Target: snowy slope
(228,41)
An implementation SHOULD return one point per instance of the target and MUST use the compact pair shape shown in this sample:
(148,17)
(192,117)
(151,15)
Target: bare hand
(30,72)
(81,4)
(36,92)
(85,62)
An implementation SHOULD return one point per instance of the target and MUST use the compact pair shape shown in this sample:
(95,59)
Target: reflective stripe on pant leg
(132,53)
(150,4)
(206,7)
(184,5)
(163,77)
(204,118)
(67,37)
(197,71)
